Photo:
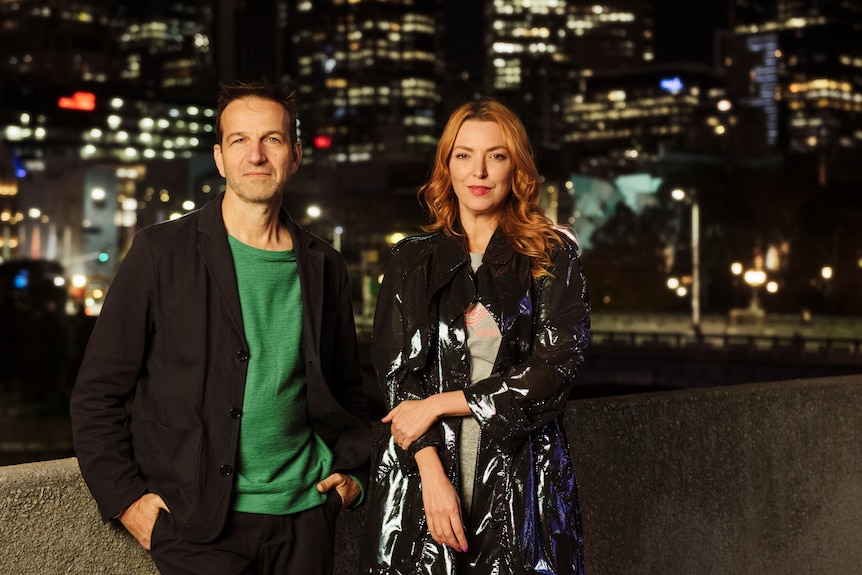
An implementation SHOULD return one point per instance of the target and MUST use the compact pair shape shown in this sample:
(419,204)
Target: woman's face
(481,169)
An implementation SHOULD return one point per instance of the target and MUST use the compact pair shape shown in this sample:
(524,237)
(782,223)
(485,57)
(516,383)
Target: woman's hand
(410,419)
(441,502)
(413,417)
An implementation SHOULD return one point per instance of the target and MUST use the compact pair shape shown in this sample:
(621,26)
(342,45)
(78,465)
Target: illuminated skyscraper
(64,44)
(370,75)
(118,84)
(166,48)
(537,52)
(799,64)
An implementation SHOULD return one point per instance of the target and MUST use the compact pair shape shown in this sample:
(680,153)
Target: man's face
(255,156)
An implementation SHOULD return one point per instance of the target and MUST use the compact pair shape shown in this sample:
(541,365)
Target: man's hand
(140,517)
(344,485)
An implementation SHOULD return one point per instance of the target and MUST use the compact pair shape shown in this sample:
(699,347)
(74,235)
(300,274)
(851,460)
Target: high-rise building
(166,49)
(251,39)
(61,43)
(798,64)
(370,75)
(620,122)
(96,87)
(536,52)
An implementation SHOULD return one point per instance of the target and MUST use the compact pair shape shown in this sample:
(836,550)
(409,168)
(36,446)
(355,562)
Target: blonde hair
(523,221)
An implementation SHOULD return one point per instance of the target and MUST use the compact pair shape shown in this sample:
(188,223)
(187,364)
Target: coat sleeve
(106,382)
(400,348)
(529,394)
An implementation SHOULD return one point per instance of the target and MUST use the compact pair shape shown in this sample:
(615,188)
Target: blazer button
(234,413)
(225,470)
(242,355)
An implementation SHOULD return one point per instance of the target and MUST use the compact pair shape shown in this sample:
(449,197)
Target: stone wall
(755,479)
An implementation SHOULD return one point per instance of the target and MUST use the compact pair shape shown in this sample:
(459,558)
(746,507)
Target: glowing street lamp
(676,286)
(314,212)
(754,278)
(690,196)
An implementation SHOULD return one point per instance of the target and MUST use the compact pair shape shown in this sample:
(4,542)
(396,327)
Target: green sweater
(280,458)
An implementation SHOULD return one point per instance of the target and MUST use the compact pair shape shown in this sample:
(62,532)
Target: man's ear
(219,161)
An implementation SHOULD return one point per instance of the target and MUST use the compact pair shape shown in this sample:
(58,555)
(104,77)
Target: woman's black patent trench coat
(525,516)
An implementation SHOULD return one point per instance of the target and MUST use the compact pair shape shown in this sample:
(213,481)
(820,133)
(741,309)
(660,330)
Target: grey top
(483,341)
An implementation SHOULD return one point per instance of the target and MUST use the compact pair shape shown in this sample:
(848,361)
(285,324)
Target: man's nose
(256,154)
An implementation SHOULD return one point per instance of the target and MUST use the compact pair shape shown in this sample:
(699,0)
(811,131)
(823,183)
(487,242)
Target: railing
(763,346)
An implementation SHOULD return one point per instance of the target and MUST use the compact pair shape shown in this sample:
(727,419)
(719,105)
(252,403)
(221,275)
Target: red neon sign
(322,141)
(85,101)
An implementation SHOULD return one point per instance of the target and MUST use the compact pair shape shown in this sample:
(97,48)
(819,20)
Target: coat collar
(451,251)
(451,256)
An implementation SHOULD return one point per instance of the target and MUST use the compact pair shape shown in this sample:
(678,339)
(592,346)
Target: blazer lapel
(216,253)
(311,277)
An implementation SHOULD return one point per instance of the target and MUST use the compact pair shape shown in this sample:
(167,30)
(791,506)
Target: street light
(680,195)
(314,212)
(826,272)
(755,278)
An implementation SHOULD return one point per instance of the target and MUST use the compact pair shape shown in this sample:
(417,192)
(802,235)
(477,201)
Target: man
(219,412)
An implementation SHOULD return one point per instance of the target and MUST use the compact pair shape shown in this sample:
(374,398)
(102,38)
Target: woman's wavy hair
(524,222)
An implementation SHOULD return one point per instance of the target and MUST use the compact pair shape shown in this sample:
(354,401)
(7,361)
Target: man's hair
(264,89)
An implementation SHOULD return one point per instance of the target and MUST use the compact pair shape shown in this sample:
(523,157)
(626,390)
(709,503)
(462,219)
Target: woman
(479,331)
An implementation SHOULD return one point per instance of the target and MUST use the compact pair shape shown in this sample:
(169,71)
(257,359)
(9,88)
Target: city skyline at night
(623,102)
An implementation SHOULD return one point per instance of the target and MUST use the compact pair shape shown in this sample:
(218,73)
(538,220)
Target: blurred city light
(394,238)
(754,277)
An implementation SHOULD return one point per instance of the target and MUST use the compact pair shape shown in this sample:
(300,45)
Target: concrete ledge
(752,479)
(756,479)
(49,525)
